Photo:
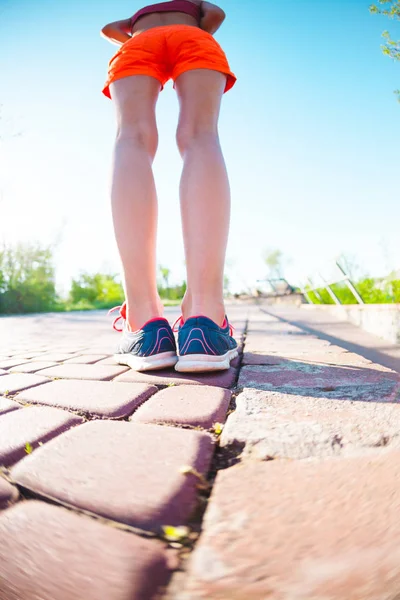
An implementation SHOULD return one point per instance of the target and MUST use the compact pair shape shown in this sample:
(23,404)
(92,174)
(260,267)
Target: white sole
(164,360)
(204,363)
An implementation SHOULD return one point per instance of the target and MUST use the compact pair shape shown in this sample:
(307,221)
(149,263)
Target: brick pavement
(129,486)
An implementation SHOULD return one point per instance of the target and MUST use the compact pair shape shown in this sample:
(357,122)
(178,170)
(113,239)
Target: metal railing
(327,286)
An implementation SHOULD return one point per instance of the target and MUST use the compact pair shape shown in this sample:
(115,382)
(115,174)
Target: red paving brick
(11,362)
(98,398)
(223,379)
(92,372)
(85,359)
(32,367)
(57,356)
(128,472)
(7,405)
(30,426)
(8,495)
(50,553)
(16,382)
(199,406)
(304,530)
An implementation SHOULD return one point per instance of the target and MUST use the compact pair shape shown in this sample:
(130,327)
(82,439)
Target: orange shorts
(167,52)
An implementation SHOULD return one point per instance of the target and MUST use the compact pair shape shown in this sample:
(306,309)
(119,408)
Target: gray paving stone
(270,425)
(223,379)
(50,553)
(198,406)
(98,398)
(32,366)
(326,357)
(309,530)
(7,405)
(128,472)
(319,380)
(92,372)
(8,495)
(30,426)
(15,382)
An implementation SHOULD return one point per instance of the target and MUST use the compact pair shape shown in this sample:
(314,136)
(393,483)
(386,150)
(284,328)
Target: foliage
(273,258)
(27,279)
(371,290)
(95,291)
(391,9)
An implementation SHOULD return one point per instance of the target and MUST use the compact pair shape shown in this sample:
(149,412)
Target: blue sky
(310,135)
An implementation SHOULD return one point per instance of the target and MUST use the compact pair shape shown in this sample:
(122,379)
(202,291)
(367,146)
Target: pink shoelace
(121,316)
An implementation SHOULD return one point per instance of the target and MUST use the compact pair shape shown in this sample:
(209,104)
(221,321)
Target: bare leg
(205,193)
(134,199)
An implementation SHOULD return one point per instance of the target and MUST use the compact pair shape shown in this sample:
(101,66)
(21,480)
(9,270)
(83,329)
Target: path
(126,486)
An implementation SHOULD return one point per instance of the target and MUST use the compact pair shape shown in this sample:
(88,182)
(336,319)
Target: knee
(142,134)
(189,134)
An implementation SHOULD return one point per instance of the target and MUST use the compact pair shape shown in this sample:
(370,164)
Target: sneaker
(203,346)
(151,347)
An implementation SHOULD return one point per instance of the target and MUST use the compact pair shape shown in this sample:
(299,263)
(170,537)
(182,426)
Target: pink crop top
(184,6)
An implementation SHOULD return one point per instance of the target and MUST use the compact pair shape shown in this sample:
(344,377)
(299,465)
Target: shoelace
(121,316)
(179,322)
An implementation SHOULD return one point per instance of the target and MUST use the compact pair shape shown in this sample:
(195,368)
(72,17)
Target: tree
(273,258)
(391,9)
(27,279)
(165,273)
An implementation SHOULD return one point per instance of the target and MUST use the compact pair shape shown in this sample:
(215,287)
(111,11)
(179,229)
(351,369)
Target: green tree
(273,258)
(165,273)
(391,9)
(27,279)
(97,290)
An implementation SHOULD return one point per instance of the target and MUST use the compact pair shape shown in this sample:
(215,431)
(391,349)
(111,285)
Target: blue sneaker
(151,347)
(203,346)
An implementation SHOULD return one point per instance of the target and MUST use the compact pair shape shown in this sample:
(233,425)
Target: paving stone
(51,553)
(7,405)
(30,426)
(317,380)
(340,358)
(305,530)
(33,366)
(269,425)
(85,359)
(16,382)
(128,472)
(92,372)
(11,362)
(98,398)
(224,379)
(8,495)
(56,356)
(277,344)
(199,406)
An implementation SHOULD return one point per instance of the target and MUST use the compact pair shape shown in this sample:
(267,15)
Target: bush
(95,291)
(27,279)
(372,291)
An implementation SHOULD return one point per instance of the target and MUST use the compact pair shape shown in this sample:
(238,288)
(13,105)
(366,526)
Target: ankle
(214,310)
(138,314)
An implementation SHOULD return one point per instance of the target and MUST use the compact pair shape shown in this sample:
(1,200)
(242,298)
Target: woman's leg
(134,199)
(205,193)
